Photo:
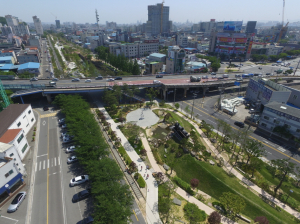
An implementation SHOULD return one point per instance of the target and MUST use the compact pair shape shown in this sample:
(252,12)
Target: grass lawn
(214,181)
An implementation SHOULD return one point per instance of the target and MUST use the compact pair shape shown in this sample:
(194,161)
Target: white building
(19,28)
(17,116)
(38,25)
(182,41)
(10,174)
(6,30)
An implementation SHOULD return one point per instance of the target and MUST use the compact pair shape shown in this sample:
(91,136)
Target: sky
(131,11)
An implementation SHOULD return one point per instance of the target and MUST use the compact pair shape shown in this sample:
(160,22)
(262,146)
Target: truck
(195,79)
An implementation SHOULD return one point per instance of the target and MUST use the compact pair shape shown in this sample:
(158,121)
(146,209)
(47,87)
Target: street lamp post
(194,95)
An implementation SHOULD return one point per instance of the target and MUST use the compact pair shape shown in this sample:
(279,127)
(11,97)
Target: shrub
(200,197)
(220,205)
(193,213)
(136,176)
(124,155)
(162,103)
(214,218)
(184,185)
(141,182)
(194,182)
(143,152)
(34,128)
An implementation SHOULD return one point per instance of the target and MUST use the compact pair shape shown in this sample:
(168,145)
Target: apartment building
(38,25)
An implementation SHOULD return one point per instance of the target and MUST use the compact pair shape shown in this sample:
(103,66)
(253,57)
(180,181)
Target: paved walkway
(152,214)
(229,168)
(208,210)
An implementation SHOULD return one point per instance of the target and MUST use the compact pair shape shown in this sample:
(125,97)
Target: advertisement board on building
(171,55)
(233,25)
(240,40)
(224,39)
(250,43)
(151,41)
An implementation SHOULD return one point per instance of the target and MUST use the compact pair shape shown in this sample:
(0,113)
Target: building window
(20,138)
(24,116)
(11,155)
(295,97)
(29,112)
(264,125)
(24,148)
(19,124)
(32,119)
(9,173)
(266,118)
(27,125)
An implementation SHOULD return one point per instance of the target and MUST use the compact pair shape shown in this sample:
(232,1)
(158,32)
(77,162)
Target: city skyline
(179,12)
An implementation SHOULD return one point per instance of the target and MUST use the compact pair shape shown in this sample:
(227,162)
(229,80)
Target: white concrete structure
(17,116)
(16,138)
(38,25)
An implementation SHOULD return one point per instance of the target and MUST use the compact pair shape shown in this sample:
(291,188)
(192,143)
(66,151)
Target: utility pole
(194,95)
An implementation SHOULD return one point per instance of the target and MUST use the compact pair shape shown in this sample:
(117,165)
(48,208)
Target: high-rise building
(57,22)
(158,19)
(250,28)
(18,28)
(38,25)
(12,20)
(6,30)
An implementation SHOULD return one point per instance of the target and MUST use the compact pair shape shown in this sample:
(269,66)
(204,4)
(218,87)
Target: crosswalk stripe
(55,161)
(58,161)
(40,165)
(44,163)
(47,163)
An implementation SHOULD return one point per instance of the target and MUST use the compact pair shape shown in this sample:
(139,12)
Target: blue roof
(29,65)
(158,55)
(5,58)
(6,67)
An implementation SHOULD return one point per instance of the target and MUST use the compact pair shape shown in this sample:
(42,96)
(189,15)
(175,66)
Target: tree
(118,93)
(165,201)
(215,66)
(193,214)
(261,220)
(194,183)
(285,167)
(109,98)
(151,94)
(255,164)
(177,106)
(214,218)
(233,204)
(253,148)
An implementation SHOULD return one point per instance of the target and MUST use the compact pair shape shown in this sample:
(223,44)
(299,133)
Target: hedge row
(141,181)
(184,185)
(125,156)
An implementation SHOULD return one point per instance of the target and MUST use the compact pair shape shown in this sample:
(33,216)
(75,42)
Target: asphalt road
(45,60)
(274,149)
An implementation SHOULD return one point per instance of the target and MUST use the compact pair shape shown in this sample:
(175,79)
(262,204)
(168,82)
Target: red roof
(10,135)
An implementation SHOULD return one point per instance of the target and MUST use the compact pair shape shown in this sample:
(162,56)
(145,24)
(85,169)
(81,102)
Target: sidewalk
(152,214)
(230,169)
(208,210)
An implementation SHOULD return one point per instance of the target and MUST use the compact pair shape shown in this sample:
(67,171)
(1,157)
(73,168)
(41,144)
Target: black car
(99,78)
(239,124)
(268,73)
(118,78)
(80,196)
(255,74)
(159,76)
(45,108)
(213,73)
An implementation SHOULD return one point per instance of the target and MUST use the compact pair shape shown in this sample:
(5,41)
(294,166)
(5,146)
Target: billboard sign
(240,40)
(233,25)
(225,39)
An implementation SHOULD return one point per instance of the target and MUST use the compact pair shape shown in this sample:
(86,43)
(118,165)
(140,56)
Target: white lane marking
(44,163)
(55,161)
(48,163)
(40,165)
(9,218)
(42,155)
(211,121)
(58,161)
(52,162)
(281,149)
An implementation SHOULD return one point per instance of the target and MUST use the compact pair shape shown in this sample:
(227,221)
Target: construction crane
(54,15)
(283,28)
(161,17)
(5,101)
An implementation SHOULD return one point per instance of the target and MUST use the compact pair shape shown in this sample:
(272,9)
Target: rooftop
(9,115)
(158,55)
(10,135)
(4,147)
(284,108)
(29,65)
(5,58)
(6,67)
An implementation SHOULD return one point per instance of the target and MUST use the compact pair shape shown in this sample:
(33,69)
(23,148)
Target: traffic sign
(237,83)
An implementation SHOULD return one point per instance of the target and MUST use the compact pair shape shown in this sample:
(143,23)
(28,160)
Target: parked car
(72,159)
(88,220)
(88,80)
(159,76)
(118,78)
(76,80)
(80,196)
(239,124)
(110,80)
(14,205)
(70,149)
(45,108)
(79,180)
(34,79)
(64,126)
(61,121)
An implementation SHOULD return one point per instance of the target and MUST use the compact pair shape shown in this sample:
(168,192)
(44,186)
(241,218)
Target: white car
(64,126)
(110,80)
(70,149)
(34,79)
(88,80)
(72,159)
(79,180)
(156,82)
